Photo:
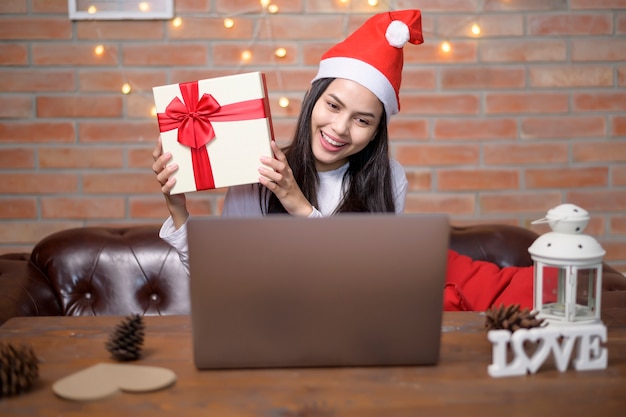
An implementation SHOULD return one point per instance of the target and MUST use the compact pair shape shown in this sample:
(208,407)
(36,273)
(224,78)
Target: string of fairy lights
(269,8)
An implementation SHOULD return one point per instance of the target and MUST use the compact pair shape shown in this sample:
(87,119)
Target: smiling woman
(338,160)
(120,9)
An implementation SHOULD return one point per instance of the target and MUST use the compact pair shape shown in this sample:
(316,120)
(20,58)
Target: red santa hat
(373,57)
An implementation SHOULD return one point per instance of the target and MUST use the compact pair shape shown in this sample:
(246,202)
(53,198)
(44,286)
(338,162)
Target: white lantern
(568,268)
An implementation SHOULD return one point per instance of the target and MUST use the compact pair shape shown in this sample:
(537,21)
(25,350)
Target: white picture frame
(121,9)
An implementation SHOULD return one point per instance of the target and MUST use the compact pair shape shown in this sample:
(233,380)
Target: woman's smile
(331,144)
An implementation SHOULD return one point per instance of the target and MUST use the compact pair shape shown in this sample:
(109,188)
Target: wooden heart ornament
(105,379)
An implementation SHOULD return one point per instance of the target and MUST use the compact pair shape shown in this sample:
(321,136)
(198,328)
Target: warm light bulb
(153,111)
(283,102)
(372,3)
(475,29)
(92,10)
(229,23)
(99,49)
(281,52)
(246,55)
(344,1)
(144,6)
(265,3)
(126,88)
(177,22)
(272,8)
(446,47)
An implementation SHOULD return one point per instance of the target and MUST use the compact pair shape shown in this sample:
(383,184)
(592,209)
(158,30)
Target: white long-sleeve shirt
(244,201)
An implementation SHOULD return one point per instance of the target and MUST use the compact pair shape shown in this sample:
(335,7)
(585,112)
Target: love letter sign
(560,341)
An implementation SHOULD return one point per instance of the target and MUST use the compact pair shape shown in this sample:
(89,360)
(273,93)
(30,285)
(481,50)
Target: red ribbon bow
(192,117)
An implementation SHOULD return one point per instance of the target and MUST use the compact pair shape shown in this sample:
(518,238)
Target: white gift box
(217,129)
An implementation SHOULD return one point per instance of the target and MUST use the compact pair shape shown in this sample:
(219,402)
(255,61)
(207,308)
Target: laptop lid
(346,290)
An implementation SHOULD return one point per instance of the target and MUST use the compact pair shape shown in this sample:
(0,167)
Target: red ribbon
(192,117)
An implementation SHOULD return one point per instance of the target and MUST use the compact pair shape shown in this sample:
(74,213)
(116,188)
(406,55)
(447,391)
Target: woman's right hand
(176,203)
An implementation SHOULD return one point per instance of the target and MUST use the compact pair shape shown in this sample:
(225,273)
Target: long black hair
(367,180)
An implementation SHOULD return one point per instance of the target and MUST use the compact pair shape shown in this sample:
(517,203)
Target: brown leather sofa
(119,271)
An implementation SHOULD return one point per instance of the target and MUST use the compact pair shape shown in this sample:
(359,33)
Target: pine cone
(126,341)
(511,318)
(19,369)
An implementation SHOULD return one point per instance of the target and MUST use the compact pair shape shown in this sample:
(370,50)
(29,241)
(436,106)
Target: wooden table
(458,385)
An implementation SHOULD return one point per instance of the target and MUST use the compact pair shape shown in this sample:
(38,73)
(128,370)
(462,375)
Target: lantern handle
(549,219)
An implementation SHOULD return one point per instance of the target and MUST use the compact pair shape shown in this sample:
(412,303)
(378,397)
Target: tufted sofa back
(119,271)
(124,270)
(104,271)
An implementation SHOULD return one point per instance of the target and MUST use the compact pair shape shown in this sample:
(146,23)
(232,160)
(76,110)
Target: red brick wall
(507,125)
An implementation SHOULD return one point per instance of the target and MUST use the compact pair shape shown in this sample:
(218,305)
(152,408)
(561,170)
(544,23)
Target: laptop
(340,291)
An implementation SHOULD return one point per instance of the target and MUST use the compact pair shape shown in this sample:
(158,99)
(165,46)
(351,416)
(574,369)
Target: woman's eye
(363,122)
(332,105)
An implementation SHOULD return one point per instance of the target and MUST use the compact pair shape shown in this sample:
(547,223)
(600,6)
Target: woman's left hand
(277,176)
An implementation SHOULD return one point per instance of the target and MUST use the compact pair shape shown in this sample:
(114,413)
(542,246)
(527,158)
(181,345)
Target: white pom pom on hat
(373,55)
(397,34)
